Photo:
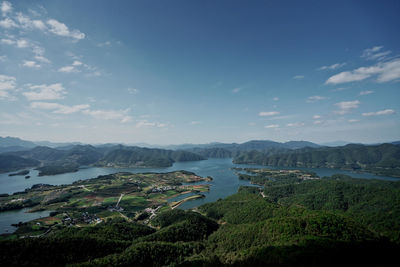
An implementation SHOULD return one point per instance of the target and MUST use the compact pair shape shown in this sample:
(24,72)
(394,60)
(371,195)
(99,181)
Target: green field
(89,202)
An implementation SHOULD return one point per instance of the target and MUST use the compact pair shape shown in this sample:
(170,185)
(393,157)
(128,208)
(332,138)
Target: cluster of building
(115,208)
(90,218)
(161,189)
(152,212)
(308,177)
(85,218)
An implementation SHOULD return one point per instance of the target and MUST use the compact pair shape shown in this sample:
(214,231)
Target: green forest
(380,159)
(318,222)
(52,161)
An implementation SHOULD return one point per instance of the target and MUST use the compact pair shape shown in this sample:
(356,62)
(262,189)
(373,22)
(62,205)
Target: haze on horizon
(173,72)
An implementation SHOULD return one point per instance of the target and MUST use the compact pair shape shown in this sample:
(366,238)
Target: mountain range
(52,161)
(16,154)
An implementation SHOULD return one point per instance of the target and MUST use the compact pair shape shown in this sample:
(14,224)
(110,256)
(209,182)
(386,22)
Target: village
(88,202)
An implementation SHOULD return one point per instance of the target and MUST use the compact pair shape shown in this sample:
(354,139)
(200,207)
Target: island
(20,173)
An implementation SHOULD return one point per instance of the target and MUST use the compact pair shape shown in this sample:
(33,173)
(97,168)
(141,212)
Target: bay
(225,182)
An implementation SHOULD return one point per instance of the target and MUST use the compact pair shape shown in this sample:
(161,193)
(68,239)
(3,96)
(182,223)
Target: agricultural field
(134,197)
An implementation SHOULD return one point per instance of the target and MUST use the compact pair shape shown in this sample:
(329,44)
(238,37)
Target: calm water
(225,182)
(15,216)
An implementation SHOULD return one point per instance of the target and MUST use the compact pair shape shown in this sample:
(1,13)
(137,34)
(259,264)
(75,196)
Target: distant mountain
(381,159)
(41,153)
(56,144)
(222,150)
(335,143)
(396,143)
(10,163)
(8,144)
(68,159)
(213,152)
(15,142)
(300,144)
(13,148)
(125,156)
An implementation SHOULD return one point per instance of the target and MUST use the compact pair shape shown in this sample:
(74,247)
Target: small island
(264,176)
(57,169)
(20,173)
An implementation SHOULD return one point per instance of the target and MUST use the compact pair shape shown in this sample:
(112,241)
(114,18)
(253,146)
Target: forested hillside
(55,161)
(286,228)
(380,159)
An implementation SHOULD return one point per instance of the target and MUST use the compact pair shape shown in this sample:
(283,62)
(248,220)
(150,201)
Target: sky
(172,72)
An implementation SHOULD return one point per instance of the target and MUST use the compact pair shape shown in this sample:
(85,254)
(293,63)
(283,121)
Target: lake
(224,183)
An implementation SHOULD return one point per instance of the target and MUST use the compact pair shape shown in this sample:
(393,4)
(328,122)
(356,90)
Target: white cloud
(6,7)
(61,29)
(7,83)
(383,71)
(8,41)
(333,66)
(30,64)
(379,113)
(145,123)
(22,43)
(26,23)
(295,124)
(76,63)
(346,106)
(58,108)
(42,59)
(236,90)
(94,74)
(375,53)
(366,92)
(195,122)
(347,76)
(107,43)
(268,113)
(318,122)
(353,120)
(38,24)
(275,98)
(315,98)
(120,115)
(68,69)
(339,89)
(8,23)
(298,77)
(133,91)
(78,66)
(38,51)
(271,126)
(45,92)
(315,117)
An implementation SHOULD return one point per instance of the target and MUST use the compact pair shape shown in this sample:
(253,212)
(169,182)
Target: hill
(68,159)
(145,157)
(221,150)
(15,142)
(10,163)
(381,159)
(244,229)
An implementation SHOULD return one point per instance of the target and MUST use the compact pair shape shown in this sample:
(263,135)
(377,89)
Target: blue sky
(168,72)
